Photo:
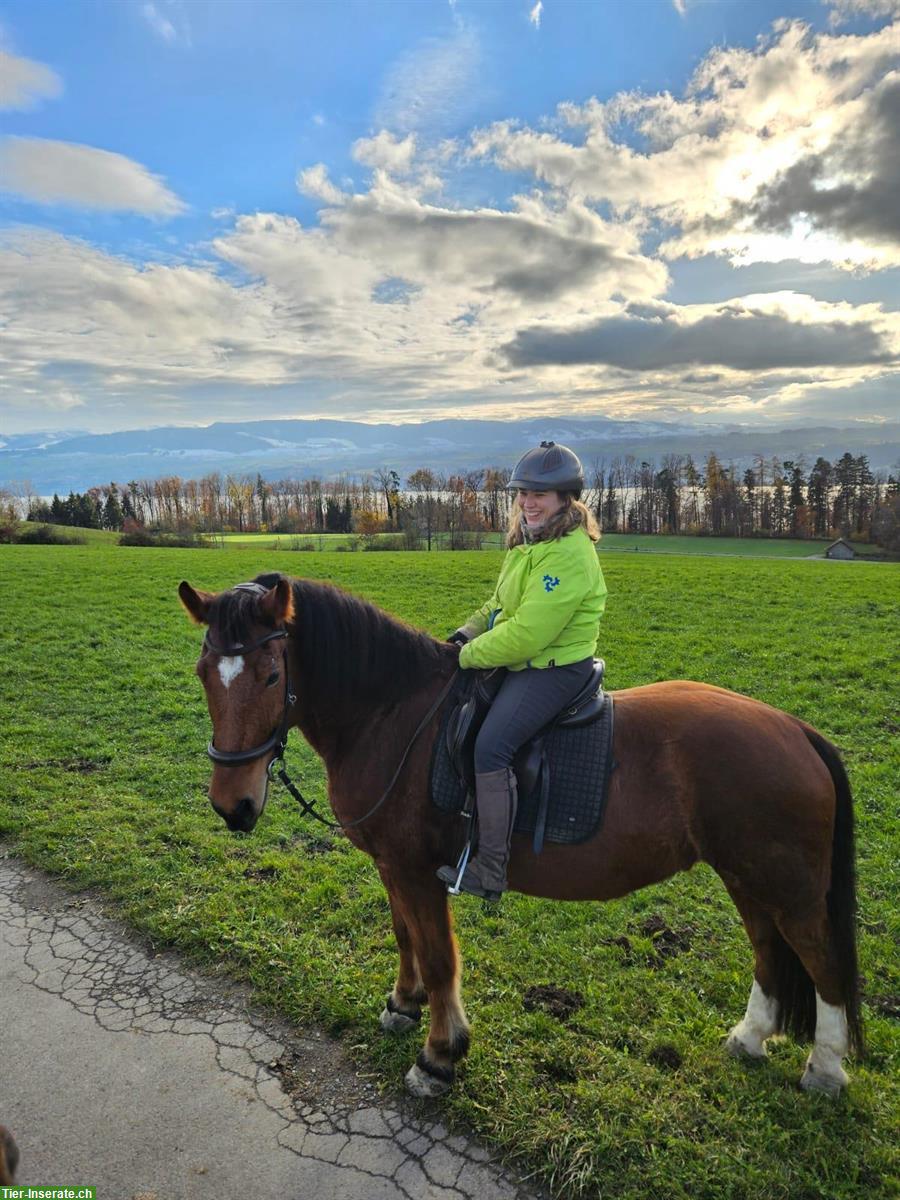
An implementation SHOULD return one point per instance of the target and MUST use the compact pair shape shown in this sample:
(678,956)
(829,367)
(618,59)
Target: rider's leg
(527,701)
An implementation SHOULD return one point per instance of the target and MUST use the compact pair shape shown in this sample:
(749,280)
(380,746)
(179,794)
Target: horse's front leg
(423,909)
(403,1008)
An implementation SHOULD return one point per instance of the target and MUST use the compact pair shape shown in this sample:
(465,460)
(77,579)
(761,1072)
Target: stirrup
(453,888)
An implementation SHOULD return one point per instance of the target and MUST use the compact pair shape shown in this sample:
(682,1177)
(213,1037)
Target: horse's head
(244,670)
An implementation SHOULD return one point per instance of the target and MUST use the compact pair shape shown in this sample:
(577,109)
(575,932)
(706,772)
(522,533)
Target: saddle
(562,772)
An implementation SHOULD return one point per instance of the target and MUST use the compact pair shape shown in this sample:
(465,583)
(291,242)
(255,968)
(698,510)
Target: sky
(675,210)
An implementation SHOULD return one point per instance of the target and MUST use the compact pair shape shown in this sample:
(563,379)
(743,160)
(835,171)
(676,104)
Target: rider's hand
(458,638)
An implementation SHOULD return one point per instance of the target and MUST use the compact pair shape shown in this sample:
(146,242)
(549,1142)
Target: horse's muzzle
(240,819)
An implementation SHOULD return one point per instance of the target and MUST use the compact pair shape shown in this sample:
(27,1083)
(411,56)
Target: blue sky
(409,210)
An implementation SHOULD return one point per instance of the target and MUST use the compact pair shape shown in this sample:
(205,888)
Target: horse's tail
(841,897)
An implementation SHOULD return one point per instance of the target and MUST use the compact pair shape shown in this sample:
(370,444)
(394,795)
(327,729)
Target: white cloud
(168,20)
(51,172)
(386,152)
(314,182)
(68,303)
(680,7)
(158,23)
(847,10)
(23,82)
(431,87)
(535,15)
(712,158)
(65,399)
(534,254)
(408,305)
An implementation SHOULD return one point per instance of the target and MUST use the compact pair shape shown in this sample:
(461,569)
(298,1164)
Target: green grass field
(103,780)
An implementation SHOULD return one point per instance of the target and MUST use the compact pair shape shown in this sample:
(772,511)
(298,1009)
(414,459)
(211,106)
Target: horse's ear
(277,605)
(196,603)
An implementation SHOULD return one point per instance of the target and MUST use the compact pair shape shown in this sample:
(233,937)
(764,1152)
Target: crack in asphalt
(325,1110)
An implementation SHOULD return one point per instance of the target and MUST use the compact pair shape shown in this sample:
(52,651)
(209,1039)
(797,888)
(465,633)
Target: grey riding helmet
(549,468)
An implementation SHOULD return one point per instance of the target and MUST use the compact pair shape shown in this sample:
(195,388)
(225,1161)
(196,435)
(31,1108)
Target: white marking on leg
(229,669)
(824,1072)
(748,1038)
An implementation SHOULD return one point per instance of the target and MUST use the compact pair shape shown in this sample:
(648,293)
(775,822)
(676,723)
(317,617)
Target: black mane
(344,644)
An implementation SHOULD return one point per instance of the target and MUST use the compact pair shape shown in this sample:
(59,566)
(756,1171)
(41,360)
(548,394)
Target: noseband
(277,740)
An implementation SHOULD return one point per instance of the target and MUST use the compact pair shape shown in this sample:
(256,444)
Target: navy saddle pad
(563,776)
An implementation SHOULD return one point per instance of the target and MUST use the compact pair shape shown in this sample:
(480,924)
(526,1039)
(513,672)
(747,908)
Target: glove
(458,638)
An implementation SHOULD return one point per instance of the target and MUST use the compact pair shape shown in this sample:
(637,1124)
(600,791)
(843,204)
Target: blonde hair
(572,515)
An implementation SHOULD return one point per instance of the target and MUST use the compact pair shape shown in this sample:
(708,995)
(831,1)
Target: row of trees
(97,508)
(771,498)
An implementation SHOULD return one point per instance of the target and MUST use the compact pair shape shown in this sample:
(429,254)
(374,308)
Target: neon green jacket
(545,610)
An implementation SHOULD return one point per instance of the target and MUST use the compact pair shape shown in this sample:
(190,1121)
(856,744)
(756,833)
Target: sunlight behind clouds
(748,125)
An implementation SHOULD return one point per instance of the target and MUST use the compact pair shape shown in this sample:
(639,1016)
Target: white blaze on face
(229,669)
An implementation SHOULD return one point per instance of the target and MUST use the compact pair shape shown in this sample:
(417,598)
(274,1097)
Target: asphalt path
(123,1069)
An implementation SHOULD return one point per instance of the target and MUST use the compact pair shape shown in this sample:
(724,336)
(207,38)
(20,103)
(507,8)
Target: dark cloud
(533,257)
(702,377)
(736,337)
(865,158)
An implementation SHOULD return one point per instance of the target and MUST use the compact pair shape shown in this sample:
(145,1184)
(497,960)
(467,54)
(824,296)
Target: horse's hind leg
(748,1038)
(403,1008)
(423,909)
(810,937)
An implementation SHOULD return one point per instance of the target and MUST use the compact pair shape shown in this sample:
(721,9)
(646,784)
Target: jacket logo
(550,582)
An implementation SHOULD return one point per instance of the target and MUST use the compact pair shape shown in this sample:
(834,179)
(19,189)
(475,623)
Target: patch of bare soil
(667,942)
(558,1002)
(665,1056)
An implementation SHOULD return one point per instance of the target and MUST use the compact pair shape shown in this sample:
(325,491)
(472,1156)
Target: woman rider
(541,623)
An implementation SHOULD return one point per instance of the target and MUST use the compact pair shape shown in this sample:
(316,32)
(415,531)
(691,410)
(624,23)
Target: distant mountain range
(63,462)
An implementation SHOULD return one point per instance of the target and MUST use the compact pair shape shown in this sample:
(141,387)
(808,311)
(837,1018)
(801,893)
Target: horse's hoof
(741,1045)
(423,1085)
(395,1022)
(817,1081)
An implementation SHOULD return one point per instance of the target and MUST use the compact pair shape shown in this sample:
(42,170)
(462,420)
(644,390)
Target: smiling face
(538,507)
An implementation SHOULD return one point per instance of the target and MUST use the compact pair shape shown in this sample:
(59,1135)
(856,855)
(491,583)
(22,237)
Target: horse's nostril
(239,819)
(244,814)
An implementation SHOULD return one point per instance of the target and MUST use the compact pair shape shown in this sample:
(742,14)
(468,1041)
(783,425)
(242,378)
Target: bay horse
(703,775)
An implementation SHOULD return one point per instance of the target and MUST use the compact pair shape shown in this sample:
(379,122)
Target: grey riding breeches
(527,701)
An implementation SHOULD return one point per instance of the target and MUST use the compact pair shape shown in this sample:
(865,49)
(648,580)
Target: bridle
(277,741)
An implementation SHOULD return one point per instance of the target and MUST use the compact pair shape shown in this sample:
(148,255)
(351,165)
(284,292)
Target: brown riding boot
(496,801)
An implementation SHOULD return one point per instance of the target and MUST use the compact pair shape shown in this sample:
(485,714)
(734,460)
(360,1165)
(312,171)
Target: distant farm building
(840,549)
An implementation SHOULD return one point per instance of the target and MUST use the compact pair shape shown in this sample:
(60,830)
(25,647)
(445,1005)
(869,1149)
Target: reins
(306,806)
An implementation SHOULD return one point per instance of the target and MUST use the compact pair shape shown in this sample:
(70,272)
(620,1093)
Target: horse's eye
(273,678)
